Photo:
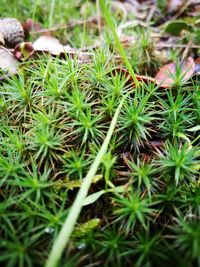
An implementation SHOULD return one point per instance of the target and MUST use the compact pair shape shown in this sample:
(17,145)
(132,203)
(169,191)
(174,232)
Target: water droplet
(49,230)
(81,246)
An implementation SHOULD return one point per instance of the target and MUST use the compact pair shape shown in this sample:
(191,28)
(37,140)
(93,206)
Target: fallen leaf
(174,5)
(30,25)
(48,44)
(197,65)
(11,31)
(2,41)
(53,46)
(167,74)
(23,51)
(8,63)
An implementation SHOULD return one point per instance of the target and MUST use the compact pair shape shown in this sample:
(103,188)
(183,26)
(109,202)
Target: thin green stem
(51,13)
(34,10)
(111,25)
(68,226)
(84,28)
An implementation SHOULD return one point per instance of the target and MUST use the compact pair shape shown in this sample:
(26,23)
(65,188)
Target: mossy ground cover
(54,117)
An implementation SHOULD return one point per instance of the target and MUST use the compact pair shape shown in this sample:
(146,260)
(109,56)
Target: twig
(184,55)
(67,26)
(163,45)
(151,12)
(180,12)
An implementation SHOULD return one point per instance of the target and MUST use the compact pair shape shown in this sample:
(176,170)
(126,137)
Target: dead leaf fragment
(197,65)
(174,5)
(23,51)
(8,62)
(48,44)
(166,77)
(30,25)
(12,31)
(2,41)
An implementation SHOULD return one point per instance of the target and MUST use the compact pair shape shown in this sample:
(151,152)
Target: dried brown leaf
(12,31)
(31,25)
(48,44)
(8,63)
(165,77)
(23,51)
(174,5)
(197,65)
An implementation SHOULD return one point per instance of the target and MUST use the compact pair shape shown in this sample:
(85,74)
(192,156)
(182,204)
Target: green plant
(186,235)
(143,53)
(108,162)
(78,102)
(176,113)
(111,26)
(34,183)
(47,142)
(191,200)
(132,209)
(86,126)
(20,97)
(148,250)
(115,247)
(144,174)
(18,249)
(10,166)
(178,163)
(195,96)
(13,140)
(68,226)
(135,121)
(139,203)
(75,163)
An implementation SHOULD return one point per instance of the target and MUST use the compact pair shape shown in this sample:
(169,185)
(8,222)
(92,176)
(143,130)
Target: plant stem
(51,13)
(111,25)
(74,212)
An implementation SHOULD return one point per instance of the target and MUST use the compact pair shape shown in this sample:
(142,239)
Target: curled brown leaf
(8,63)
(166,77)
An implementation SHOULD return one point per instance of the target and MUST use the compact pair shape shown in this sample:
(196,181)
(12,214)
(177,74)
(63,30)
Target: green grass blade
(70,221)
(51,13)
(111,25)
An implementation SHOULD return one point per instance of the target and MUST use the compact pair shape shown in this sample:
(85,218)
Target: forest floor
(67,72)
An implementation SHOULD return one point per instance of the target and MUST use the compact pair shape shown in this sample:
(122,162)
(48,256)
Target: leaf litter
(169,60)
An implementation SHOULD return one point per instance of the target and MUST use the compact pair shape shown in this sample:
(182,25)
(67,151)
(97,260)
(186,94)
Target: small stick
(186,50)
(65,27)
(151,13)
(163,45)
(180,12)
